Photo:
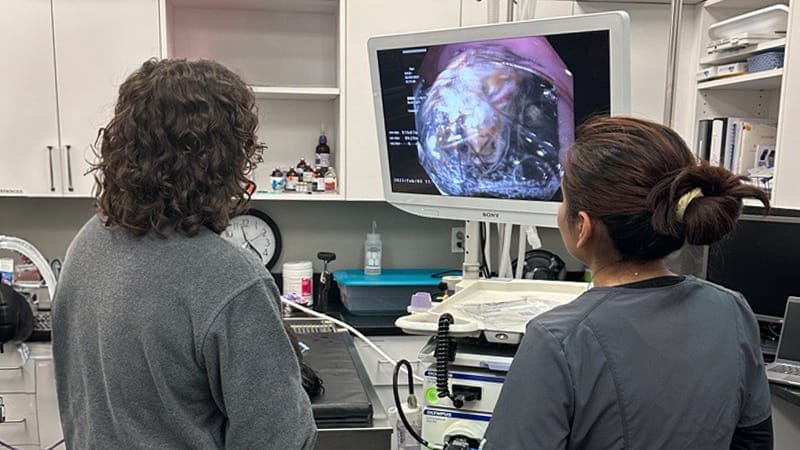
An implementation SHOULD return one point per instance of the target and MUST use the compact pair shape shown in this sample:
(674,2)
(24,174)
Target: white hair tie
(684,201)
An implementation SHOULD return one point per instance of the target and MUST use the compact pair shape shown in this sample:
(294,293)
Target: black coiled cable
(442,355)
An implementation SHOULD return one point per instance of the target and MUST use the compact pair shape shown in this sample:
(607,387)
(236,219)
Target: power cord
(484,267)
(412,403)
(346,326)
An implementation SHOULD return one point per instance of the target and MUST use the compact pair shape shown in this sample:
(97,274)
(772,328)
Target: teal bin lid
(393,277)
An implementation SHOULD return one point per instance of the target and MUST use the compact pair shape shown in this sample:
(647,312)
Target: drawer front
(397,347)
(16,377)
(47,403)
(21,426)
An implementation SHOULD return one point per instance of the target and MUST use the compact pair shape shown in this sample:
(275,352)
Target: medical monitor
(760,259)
(474,123)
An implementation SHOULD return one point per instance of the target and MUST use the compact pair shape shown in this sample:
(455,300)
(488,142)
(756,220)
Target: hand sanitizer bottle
(373,252)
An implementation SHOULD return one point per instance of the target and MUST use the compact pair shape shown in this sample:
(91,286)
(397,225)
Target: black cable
(442,355)
(4,445)
(484,267)
(399,405)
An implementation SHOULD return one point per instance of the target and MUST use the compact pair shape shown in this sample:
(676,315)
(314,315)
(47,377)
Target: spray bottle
(373,252)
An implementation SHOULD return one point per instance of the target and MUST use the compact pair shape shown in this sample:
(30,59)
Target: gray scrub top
(667,367)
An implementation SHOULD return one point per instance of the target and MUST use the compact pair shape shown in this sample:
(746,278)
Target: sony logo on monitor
(491,215)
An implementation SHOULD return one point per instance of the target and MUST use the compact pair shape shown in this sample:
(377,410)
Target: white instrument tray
(497,309)
(772,20)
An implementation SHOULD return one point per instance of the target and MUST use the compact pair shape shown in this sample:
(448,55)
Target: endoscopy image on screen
(491,118)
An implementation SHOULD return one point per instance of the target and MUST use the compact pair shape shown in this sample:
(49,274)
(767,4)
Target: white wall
(306,227)
(409,241)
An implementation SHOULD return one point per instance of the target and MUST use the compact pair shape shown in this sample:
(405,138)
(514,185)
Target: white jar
(298,278)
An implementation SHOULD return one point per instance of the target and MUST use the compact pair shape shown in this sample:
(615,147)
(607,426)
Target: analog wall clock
(255,231)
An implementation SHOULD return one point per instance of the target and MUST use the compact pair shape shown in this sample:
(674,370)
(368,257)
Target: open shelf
(741,55)
(759,81)
(304,196)
(753,202)
(295,93)
(308,6)
(744,4)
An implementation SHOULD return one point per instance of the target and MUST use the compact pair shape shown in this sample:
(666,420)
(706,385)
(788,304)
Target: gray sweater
(173,343)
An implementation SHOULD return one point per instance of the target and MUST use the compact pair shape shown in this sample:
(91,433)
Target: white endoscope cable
(349,328)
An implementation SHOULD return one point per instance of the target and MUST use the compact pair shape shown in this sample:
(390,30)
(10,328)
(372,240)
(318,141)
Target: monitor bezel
(529,212)
(789,301)
(755,214)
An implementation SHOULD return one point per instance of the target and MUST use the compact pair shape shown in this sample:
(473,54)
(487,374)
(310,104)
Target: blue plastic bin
(765,61)
(387,293)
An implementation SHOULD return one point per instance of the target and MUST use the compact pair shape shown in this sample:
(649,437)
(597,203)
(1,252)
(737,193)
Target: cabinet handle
(13,421)
(3,415)
(69,170)
(52,178)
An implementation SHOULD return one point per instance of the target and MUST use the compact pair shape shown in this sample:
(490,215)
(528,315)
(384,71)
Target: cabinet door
(787,164)
(28,121)
(47,403)
(98,44)
(367,18)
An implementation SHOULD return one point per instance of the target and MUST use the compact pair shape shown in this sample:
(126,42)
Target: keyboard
(786,369)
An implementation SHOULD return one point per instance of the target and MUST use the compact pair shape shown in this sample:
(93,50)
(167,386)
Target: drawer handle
(24,353)
(13,421)
(52,179)
(69,169)
(3,419)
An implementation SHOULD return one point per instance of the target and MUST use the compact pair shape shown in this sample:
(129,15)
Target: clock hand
(247,242)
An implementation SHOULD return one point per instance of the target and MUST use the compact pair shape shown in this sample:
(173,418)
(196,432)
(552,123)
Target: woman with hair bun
(645,359)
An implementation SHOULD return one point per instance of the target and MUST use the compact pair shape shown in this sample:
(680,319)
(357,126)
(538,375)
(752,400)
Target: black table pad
(345,403)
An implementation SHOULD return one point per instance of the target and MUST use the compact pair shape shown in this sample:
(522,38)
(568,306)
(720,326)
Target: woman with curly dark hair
(165,335)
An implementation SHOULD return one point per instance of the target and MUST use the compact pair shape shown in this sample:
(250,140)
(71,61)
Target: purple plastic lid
(323,139)
(421,301)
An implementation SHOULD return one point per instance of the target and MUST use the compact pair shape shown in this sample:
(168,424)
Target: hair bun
(706,218)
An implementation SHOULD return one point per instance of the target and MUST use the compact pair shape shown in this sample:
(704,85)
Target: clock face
(255,232)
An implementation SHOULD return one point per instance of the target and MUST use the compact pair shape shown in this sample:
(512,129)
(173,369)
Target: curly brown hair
(178,149)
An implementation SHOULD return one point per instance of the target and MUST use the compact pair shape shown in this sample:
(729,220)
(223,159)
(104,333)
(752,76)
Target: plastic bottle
(373,252)
(291,180)
(330,180)
(277,182)
(322,155)
(318,182)
(302,166)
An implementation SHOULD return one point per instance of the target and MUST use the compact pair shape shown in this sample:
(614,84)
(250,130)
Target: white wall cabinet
(28,389)
(28,120)
(291,53)
(75,55)
(770,95)
(367,18)
(787,184)
(98,43)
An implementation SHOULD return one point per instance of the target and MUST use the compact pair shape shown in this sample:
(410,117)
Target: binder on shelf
(717,141)
(732,132)
(703,147)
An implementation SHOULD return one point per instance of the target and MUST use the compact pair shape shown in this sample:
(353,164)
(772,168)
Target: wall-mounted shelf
(741,55)
(743,4)
(753,202)
(307,6)
(295,93)
(759,81)
(303,196)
